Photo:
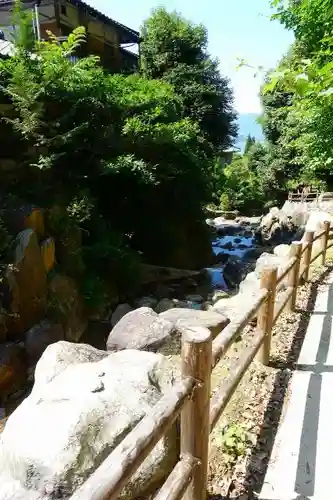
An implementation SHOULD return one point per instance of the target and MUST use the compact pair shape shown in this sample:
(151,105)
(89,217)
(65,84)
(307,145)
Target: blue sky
(236,28)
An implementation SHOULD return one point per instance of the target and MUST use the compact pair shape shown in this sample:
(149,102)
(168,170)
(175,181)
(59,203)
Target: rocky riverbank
(79,391)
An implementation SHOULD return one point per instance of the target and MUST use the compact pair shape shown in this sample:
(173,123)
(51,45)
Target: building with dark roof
(115,43)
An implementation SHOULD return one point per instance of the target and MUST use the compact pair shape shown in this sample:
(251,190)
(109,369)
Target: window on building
(63,10)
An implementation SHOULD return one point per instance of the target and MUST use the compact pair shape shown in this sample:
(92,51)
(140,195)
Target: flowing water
(235,248)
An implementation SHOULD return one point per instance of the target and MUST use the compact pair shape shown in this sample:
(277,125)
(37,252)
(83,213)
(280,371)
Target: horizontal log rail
(286,270)
(319,235)
(303,197)
(316,255)
(224,393)
(112,475)
(178,481)
(190,397)
(305,246)
(225,339)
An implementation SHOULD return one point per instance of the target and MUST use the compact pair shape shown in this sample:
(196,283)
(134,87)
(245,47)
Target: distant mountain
(248,124)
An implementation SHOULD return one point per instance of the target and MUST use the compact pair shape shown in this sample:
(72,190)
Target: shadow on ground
(258,462)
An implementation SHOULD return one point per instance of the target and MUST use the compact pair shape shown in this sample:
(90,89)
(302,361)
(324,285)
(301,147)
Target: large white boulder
(270,260)
(282,250)
(83,403)
(299,212)
(316,220)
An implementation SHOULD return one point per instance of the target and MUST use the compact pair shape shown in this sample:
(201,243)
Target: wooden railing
(190,396)
(304,197)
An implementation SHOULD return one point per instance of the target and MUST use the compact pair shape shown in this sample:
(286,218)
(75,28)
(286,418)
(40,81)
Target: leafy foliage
(250,141)
(234,442)
(175,50)
(239,186)
(306,76)
(124,157)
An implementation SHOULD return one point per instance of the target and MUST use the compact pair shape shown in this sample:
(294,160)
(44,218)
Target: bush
(115,154)
(224,202)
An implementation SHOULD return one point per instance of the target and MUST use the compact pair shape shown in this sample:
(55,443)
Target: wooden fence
(309,197)
(191,396)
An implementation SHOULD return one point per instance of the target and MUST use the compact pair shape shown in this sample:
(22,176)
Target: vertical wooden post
(293,279)
(308,238)
(324,241)
(195,428)
(266,312)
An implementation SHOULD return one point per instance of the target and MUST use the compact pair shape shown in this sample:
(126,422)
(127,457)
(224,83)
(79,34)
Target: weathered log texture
(265,316)
(224,340)
(179,479)
(197,364)
(308,238)
(325,237)
(223,394)
(295,251)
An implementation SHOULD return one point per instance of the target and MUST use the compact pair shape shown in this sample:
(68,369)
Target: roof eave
(128,35)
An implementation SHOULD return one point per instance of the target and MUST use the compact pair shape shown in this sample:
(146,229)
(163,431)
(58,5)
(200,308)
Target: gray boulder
(40,336)
(209,319)
(234,307)
(268,220)
(233,271)
(250,286)
(141,329)
(276,227)
(119,312)
(147,301)
(227,246)
(164,305)
(72,420)
(194,298)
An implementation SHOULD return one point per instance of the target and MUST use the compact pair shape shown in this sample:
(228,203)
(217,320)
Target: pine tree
(250,141)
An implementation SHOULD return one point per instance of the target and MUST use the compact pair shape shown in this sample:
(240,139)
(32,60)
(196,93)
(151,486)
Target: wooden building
(115,44)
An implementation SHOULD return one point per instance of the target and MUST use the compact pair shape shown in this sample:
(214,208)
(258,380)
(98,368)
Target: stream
(231,252)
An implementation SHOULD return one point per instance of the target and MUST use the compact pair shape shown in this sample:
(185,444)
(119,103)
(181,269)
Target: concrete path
(301,465)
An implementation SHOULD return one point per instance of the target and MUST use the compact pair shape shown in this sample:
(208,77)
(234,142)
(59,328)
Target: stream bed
(232,254)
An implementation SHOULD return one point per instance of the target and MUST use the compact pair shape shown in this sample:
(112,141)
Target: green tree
(250,141)
(116,149)
(309,79)
(239,187)
(175,50)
